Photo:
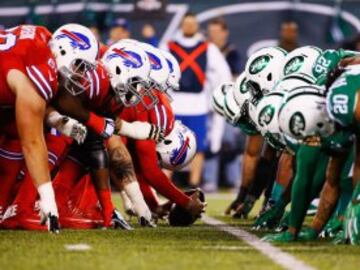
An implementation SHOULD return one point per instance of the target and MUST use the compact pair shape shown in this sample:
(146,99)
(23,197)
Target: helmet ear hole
(320,125)
(62,52)
(117,70)
(167,142)
(269,77)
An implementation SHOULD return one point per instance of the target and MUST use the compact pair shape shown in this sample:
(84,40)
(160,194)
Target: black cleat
(119,222)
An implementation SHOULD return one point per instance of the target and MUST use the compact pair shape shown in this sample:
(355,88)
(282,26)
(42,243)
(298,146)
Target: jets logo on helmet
(155,62)
(266,115)
(293,65)
(242,87)
(259,64)
(297,124)
(78,40)
(179,154)
(130,59)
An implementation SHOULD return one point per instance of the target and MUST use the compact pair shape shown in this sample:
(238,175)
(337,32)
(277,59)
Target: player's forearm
(36,158)
(249,169)
(328,199)
(159,181)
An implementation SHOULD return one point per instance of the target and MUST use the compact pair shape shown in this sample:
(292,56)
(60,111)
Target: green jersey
(327,61)
(342,98)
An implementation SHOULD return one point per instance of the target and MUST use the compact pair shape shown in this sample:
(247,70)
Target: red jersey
(25,48)
(98,91)
(102,49)
(160,115)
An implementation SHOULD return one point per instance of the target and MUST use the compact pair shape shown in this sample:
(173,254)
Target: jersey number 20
(340,104)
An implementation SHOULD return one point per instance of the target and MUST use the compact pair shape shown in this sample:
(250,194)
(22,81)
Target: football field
(202,246)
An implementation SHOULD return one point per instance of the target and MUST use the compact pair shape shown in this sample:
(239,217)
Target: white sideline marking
(77,247)
(280,257)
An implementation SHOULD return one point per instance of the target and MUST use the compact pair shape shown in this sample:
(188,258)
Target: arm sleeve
(153,174)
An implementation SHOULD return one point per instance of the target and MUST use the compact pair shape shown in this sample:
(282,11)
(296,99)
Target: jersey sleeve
(98,86)
(42,72)
(162,117)
(342,97)
(327,61)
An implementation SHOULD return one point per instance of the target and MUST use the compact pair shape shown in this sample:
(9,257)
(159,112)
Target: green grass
(197,247)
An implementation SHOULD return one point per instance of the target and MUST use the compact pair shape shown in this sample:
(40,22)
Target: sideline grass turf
(197,247)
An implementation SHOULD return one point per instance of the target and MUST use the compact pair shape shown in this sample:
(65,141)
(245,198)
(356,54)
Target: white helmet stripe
(164,117)
(91,85)
(37,83)
(97,83)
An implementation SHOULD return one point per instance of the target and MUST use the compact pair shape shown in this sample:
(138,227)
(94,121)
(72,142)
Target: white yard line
(278,256)
(77,247)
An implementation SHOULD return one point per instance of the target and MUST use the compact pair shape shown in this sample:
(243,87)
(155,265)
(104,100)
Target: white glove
(67,126)
(141,131)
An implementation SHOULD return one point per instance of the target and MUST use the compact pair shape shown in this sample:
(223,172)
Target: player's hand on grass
(334,225)
(283,237)
(235,204)
(308,234)
(51,221)
(352,223)
(195,206)
(163,210)
(243,210)
(284,223)
(147,222)
(269,219)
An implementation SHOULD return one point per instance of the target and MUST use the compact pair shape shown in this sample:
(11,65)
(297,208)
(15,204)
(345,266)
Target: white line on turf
(77,247)
(280,257)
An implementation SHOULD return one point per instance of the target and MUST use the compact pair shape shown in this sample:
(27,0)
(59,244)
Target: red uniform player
(144,155)
(28,81)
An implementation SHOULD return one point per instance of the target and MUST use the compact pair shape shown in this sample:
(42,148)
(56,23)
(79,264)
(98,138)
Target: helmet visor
(76,78)
(134,92)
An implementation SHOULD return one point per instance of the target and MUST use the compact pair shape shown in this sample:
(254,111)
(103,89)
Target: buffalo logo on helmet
(297,124)
(293,65)
(171,67)
(77,40)
(178,155)
(155,61)
(259,64)
(130,59)
(266,115)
